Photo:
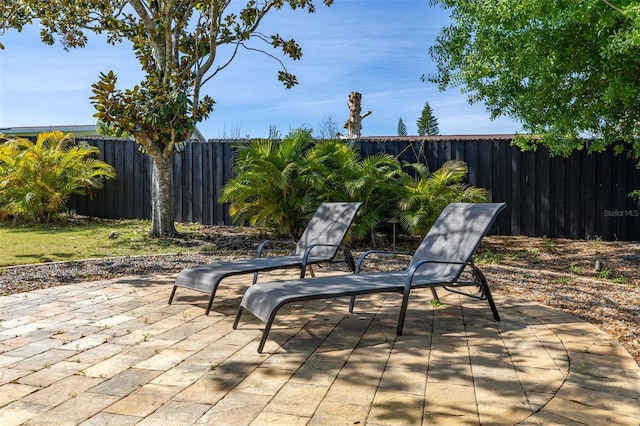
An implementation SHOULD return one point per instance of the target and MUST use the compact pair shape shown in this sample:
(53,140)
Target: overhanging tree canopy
(176,43)
(566,69)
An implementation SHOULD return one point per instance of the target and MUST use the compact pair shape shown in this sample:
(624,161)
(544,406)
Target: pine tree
(427,123)
(402,129)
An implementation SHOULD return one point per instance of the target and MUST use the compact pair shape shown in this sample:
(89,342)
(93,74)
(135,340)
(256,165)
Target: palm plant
(378,183)
(38,178)
(267,188)
(328,165)
(429,193)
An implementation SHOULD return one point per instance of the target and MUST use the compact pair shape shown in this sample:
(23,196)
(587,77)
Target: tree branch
(611,5)
(147,21)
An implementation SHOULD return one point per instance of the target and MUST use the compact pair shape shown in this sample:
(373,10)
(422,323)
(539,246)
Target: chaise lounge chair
(440,260)
(319,243)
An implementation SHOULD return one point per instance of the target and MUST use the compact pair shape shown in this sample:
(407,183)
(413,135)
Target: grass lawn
(23,244)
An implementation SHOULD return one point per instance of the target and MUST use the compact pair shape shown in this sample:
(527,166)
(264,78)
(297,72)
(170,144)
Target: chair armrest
(263,245)
(419,264)
(416,266)
(347,254)
(366,254)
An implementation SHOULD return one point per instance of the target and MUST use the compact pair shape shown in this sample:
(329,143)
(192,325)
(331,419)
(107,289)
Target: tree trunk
(162,211)
(354,123)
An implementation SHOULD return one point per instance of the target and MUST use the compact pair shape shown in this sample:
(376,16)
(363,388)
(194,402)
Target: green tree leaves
(177,44)
(565,69)
(402,128)
(427,123)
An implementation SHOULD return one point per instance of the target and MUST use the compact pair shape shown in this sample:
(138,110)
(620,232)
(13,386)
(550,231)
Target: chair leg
(213,294)
(267,327)
(210,304)
(173,293)
(403,311)
(303,271)
(238,315)
(265,333)
(435,294)
(487,293)
(348,257)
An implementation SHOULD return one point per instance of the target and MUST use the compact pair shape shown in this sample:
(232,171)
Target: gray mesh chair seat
(319,243)
(440,261)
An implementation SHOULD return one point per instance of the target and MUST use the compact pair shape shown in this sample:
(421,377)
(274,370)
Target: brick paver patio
(115,353)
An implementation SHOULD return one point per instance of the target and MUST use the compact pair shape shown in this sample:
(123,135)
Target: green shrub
(280,184)
(429,193)
(378,183)
(37,178)
(267,188)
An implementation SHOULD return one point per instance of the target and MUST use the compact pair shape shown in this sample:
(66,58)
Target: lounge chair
(440,260)
(319,243)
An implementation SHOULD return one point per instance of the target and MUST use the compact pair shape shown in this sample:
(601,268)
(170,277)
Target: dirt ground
(595,280)
(617,261)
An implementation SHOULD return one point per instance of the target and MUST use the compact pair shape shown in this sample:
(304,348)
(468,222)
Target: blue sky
(378,48)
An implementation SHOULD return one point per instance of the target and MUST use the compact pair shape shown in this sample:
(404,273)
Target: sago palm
(429,193)
(38,178)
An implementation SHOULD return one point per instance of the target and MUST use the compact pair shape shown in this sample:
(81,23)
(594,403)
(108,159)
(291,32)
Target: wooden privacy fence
(582,196)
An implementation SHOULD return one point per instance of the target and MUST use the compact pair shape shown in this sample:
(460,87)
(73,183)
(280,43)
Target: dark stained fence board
(528,214)
(543,190)
(621,200)
(589,200)
(576,220)
(112,186)
(392,149)
(197,182)
(605,197)
(207,185)
(220,164)
(457,150)
(178,160)
(138,182)
(128,202)
(471,158)
(421,148)
(100,198)
(432,158)
(514,202)
(447,152)
(501,182)
(227,175)
(557,197)
(582,196)
(187,193)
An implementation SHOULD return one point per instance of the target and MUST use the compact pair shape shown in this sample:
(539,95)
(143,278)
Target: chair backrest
(329,225)
(455,236)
